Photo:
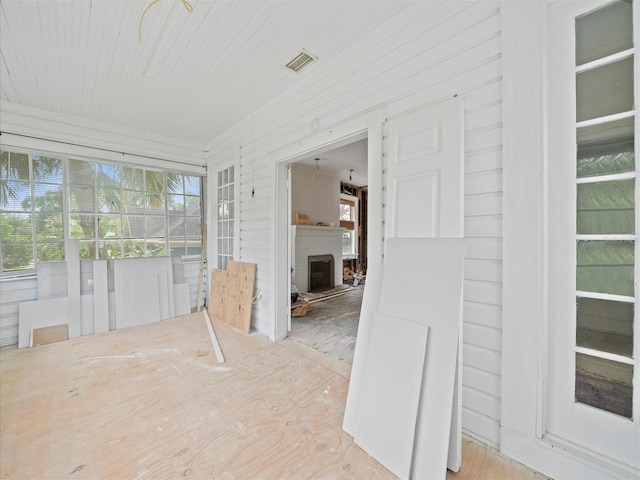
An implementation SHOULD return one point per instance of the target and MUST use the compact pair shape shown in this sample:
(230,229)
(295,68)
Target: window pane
(134,248)
(154,181)
(132,199)
(109,249)
(81,172)
(109,200)
(133,226)
(132,178)
(49,226)
(605,90)
(17,256)
(82,226)
(87,249)
(19,166)
(109,226)
(604,384)
(175,204)
(154,203)
(606,267)
(81,199)
(155,247)
(606,207)
(16,227)
(4,165)
(176,227)
(605,325)
(16,196)
(154,226)
(50,251)
(47,169)
(606,149)
(108,176)
(193,226)
(192,185)
(604,32)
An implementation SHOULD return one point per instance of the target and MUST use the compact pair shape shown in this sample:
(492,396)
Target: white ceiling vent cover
(300,61)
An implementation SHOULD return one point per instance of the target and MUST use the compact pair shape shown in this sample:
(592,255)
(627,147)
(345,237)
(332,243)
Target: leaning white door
(425,195)
(592,404)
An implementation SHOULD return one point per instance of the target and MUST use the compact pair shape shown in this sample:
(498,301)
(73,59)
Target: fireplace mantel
(310,240)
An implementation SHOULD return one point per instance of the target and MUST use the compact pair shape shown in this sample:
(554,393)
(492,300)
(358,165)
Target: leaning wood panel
(242,277)
(45,335)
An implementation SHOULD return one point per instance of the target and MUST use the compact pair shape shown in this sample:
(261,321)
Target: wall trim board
(55,131)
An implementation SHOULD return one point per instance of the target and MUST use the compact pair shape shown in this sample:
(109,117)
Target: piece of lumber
(301,310)
(203,251)
(45,335)
(214,339)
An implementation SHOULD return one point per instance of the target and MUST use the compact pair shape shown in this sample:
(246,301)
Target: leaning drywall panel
(423,282)
(393,381)
(370,298)
(38,314)
(72,256)
(100,297)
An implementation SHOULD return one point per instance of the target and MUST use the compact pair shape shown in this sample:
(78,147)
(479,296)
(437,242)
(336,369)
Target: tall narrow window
(348,221)
(606,202)
(226,216)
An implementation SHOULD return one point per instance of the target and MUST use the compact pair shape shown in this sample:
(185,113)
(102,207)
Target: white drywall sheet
(420,281)
(143,290)
(72,256)
(100,297)
(423,282)
(392,386)
(38,314)
(356,385)
(182,299)
(52,280)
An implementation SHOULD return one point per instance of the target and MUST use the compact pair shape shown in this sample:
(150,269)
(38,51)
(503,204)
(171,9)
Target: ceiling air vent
(300,61)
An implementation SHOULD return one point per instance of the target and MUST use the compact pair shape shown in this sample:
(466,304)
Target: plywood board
(38,314)
(45,335)
(392,386)
(231,298)
(100,297)
(182,299)
(242,277)
(218,295)
(423,283)
(370,298)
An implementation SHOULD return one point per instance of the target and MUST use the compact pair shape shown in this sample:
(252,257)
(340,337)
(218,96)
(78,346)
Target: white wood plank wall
(12,292)
(429,52)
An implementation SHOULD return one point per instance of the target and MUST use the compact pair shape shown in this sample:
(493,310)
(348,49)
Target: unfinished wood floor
(140,403)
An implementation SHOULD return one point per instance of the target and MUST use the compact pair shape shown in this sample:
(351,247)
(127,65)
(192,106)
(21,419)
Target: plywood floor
(140,403)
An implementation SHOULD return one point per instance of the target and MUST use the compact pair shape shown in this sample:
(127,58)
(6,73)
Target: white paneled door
(592,280)
(425,197)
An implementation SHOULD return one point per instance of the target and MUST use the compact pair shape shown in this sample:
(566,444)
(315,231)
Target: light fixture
(351,170)
(317,165)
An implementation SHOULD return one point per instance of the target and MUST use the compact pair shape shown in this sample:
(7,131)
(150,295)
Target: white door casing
(600,434)
(425,183)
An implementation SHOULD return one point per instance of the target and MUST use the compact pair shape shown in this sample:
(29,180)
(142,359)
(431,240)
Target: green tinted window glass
(604,32)
(604,384)
(606,149)
(605,90)
(605,325)
(606,207)
(606,267)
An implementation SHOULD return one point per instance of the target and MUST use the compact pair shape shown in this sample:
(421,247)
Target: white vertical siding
(12,292)
(426,54)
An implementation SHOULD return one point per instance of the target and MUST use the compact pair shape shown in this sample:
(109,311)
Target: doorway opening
(366,127)
(328,260)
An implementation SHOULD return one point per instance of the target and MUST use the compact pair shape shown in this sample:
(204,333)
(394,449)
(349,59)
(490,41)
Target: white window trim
(524,348)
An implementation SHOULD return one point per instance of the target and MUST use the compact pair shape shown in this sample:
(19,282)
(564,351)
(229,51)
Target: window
(31,211)
(226,217)
(114,210)
(348,221)
(606,183)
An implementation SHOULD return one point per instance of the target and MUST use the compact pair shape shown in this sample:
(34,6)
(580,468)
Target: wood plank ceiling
(193,76)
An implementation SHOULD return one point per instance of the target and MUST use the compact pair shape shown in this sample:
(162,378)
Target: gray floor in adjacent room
(332,324)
